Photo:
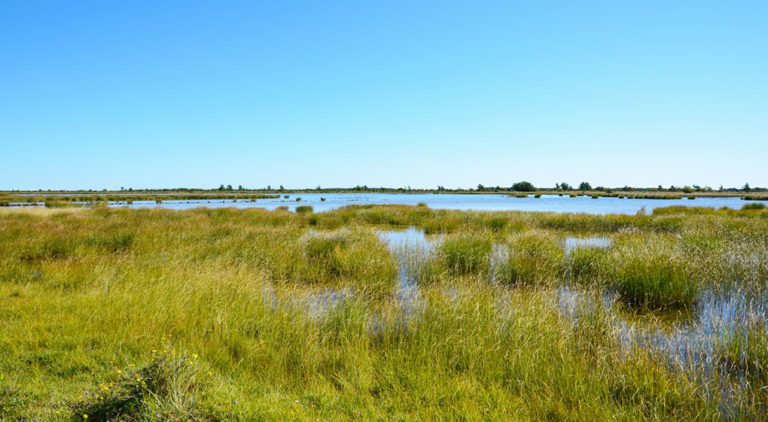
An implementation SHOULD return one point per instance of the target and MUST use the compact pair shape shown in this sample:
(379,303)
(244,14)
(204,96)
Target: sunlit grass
(223,314)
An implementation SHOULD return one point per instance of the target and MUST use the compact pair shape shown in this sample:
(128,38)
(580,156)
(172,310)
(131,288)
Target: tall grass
(225,314)
(655,280)
(465,253)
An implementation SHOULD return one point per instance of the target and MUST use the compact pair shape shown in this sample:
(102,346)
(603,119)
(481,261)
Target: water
(597,242)
(478,202)
(319,304)
(413,250)
(499,257)
(696,346)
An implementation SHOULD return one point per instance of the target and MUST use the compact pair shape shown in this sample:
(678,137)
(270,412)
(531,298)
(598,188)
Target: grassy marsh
(224,314)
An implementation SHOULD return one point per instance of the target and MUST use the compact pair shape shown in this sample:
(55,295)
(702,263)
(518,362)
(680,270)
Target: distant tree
(480,188)
(566,186)
(130,189)
(281,188)
(721,188)
(269,187)
(746,187)
(626,188)
(524,186)
(585,186)
(687,189)
(122,188)
(318,187)
(558,187)
(240,187)
(221,187)
(440,188)
(229,187)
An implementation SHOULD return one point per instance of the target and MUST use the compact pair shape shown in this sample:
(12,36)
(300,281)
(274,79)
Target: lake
(478,202)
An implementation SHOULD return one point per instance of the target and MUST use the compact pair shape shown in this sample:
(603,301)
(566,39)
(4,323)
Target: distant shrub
(754,206)
(524,187)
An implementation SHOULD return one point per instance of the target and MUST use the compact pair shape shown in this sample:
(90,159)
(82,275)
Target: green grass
(304,208)
(649,279)
(466,253)
(227,314)
(533,259)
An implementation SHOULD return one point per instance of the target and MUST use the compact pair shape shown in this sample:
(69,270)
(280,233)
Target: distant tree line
(521,186)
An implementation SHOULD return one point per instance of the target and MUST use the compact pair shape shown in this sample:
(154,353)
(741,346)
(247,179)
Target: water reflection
(596,242)
(498,260)
(413,250)
(319,304)
(715,346)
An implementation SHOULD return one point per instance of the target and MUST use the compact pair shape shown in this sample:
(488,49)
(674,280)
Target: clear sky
(103,94)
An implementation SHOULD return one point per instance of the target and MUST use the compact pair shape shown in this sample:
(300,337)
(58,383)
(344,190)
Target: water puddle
(319,304)
(498,259)
(597,242)
(413,250)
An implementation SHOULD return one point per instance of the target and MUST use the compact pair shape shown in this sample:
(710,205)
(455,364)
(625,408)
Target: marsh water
(689,343)
(479,202)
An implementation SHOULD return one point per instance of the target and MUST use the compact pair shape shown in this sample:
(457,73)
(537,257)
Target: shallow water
(478,202)
(597,242)
(499,257)
(413,250)
(695,345)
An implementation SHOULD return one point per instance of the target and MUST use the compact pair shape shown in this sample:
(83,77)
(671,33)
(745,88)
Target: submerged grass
(224,314)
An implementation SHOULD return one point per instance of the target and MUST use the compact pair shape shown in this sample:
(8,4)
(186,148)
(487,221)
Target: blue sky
(97,94)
